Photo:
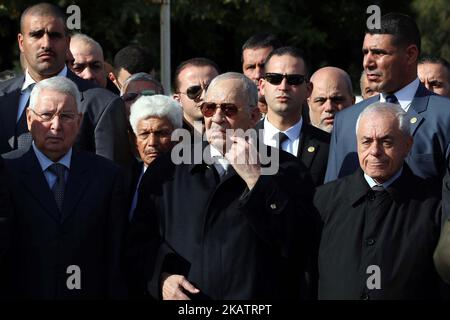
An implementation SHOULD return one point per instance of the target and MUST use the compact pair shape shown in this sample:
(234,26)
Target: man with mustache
(44,42)
(332,92)
(390,63)
(153,119)
(285,87)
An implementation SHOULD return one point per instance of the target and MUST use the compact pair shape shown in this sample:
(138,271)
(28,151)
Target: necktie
(391,98)
(58,188)
(280,138)
(377,188)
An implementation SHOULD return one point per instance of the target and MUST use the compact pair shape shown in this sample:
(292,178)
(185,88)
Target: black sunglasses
(209,108)
(131,96)
(292,79)
(194,92)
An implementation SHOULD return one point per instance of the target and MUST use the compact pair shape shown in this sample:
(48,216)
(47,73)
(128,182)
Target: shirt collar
(46,162)
(386,184)
(270,132)
(405,95)
(29,80)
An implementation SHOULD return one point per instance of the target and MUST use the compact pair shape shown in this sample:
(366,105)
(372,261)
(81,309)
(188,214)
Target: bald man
(332,92)
(88,61)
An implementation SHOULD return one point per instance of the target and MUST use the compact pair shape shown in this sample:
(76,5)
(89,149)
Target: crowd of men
(279,186)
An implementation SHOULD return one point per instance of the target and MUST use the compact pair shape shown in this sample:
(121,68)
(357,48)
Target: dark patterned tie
(377,188)
(391,98)
(280,138)
(58,188)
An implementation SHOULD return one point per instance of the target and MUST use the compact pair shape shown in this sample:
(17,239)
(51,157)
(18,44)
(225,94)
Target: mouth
(54,139)
(283,98)
(373,76)
(46,55)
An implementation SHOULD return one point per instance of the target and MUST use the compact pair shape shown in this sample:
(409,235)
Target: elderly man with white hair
(153,119)
(69,206)
(380,224)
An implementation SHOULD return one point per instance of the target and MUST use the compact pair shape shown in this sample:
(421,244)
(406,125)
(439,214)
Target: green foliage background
(330,32)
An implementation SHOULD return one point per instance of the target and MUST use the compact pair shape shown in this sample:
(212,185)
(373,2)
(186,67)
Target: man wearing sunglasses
(191,79)
(139,84)
(285,87)
(227,229)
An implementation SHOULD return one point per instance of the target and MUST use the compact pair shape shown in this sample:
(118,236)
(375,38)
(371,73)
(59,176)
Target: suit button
(273,206)
(370,242)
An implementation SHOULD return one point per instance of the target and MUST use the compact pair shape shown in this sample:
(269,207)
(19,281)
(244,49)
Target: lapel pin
(413,120)
(311,149)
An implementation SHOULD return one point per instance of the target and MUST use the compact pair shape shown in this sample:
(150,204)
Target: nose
(329,106)
(152,139)
(45,41)
(259,73)
(368,61)
(375,149)
(56,123)
(218,116)
(87,74)
(283,86)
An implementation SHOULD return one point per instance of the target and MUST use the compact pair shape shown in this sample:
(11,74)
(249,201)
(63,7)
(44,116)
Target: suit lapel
(307,146)
(77,182)
(419,104)
(34,180)
(9,108)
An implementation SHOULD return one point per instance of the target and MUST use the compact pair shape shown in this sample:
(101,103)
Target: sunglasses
(292,79)
(209,108)
(131,96)
(194,92)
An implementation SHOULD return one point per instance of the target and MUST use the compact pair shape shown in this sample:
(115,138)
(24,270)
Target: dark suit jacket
(6,212)
(103,128)
(231,243)
(312,150)
(87,233)
(429,117)
(396,231)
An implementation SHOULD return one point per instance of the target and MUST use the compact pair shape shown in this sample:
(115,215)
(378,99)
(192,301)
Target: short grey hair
(142,76)
(156,106)
(249,89)
(383,108)
(88,40)
(59,84)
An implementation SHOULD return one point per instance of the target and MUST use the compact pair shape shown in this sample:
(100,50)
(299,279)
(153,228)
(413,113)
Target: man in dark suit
(380,224)
(230,227)
(285,87)
(44,41)
(390,64)
(70,208)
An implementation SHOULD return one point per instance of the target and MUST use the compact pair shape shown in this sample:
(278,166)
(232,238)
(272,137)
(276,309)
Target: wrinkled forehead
(51,97)
(34,21)
(226,91)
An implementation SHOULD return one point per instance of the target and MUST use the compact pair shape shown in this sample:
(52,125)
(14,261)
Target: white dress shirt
(293,133)
(220,162)
(405,95)
(373,183)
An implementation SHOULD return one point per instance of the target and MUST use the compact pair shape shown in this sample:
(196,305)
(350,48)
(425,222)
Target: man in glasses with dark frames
(69,206)
(228,231)
(191,78)
(285,87)
(254,54)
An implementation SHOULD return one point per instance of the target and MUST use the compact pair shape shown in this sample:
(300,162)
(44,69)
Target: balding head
(88,61)
(332,92)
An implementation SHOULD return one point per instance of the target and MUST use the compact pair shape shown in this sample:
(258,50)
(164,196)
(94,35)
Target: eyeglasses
(292,79)
(209,108)
(131,96)
(64,117)
(194,92)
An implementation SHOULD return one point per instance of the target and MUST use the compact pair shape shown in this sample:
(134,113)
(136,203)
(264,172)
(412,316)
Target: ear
(309,88)
(113,79)
(20,41)
(255,116)
(262,84)
(412,54)
(176,97)
(409,143)
(29,121)
(353,100)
